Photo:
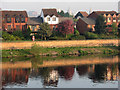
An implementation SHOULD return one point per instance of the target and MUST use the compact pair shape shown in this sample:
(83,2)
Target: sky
(74,5)
(59,0)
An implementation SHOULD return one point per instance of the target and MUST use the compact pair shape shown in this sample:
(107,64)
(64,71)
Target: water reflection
(50,76)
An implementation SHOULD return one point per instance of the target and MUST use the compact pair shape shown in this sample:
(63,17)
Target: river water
(79,75)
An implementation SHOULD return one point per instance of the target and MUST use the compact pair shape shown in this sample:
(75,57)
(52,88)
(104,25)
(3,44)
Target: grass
(36,51)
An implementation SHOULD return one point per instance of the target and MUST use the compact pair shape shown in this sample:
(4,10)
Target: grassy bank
(40,51)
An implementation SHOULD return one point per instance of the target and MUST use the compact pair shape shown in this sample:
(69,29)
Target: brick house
(81,14)
(50,16)
(85,25)
(14,20)
(110,16)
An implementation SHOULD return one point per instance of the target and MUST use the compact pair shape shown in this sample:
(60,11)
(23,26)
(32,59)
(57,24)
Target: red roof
(50,12)
(85,14)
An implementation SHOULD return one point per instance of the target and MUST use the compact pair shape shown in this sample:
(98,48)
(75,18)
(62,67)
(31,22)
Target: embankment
(66,43)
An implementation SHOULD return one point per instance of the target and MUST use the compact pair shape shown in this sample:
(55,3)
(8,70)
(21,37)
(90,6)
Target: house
(14,20)
(34,23)
(85,25)
(81,14)
(50,16)
(110,16)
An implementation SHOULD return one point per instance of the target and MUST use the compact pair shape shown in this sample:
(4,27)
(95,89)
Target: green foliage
(63,14)
(76,32)
(104,36)
(36,50)
(100,25)
(78,37)
(81,52)
(8,37)
(114,28)
(19,34)
(44,31)
(90,35)
(58,38)
(26,33)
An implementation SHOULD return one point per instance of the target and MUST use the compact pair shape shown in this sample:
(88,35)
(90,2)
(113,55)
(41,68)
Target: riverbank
(56,51)
(60,43)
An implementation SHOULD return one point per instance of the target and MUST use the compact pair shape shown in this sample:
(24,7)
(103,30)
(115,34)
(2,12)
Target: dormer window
(17,19)
(109,19)
(114,19)
(54,18)
(48,18)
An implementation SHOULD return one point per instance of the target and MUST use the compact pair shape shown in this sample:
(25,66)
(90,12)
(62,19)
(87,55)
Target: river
(62,72)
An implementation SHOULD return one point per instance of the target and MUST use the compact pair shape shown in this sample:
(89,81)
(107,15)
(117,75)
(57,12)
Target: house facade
(14,20)
(51,17)
(34,23)
(110,16)
(85,25)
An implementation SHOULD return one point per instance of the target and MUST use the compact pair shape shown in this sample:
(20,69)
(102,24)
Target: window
(22,19)
(54,19)
(48,19)
(17,19)
(17,27)
(109,19)
(114,19)
(33,28)
(9,27)
(8,19)
(118,19)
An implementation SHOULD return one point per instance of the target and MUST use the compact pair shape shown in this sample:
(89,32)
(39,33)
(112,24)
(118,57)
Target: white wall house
(50,16)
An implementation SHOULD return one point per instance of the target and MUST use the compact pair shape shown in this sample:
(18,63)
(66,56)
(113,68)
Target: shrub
(58,38)
(80,37)
(76,32)
(8,37)
(18,33)
(90,35)
(104,36)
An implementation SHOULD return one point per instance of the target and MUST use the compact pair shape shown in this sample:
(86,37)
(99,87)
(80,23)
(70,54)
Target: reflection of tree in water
(66,72)
(99,73)
(36,61)
(15,76)
(82,70)
(49,76)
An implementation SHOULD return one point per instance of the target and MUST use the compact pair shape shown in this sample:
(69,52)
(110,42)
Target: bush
(58,38)
(104,36)
(80,37)
(18,33)
(8,37)
(90,35)
(76,32)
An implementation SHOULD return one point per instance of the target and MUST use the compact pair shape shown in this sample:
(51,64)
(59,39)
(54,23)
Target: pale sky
(74,5)
(59,0)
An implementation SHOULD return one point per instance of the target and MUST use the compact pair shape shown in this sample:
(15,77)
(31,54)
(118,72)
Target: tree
(100,25)
(61,13)
(66,27)
(76,33)
(45,31)
(26,33)
(114,28)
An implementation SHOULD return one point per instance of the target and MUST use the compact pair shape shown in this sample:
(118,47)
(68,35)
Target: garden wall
(66,43)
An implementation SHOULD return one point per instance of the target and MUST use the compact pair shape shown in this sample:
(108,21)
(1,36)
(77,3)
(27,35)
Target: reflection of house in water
(66,72)
(82,70)
(15,76)
(52,79)
(104,73)
(112,73)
